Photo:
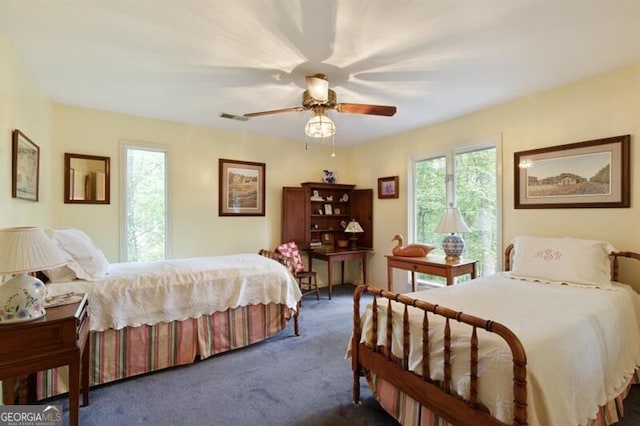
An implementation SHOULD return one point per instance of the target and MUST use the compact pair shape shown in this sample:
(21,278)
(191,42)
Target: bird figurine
(410,250)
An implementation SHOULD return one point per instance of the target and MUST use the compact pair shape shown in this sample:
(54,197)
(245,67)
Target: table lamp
(24,250)
(451,224)
(353,228)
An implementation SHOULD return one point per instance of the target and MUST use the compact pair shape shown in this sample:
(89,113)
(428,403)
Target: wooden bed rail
(438,397)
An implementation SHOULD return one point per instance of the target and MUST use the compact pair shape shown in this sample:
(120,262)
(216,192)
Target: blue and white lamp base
(453,246)
(22,299)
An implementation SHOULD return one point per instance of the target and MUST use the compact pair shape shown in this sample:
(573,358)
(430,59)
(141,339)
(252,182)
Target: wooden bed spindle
(405,337)
(374,320)
(389,330)
(473,370)
(355,343)
(447,356)
(426,356)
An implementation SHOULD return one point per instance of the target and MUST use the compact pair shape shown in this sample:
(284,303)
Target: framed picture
(587,174)
(25,167)
(242,188)
(388,187)
(337,211)
(328,209)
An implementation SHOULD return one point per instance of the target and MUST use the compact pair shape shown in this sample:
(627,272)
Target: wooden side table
(433,265)
(59,338)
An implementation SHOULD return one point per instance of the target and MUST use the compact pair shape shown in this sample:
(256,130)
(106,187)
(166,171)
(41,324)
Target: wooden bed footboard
(439,397)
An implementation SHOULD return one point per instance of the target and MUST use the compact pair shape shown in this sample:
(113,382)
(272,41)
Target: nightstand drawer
(45,337)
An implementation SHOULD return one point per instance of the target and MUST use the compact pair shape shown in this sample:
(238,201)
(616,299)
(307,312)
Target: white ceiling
(190,60)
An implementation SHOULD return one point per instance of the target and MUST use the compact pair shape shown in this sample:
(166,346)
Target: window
(467,179)
(144,225)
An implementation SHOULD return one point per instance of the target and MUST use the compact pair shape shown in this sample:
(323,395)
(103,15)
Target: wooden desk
(433,265)
(339,255)
(59,338)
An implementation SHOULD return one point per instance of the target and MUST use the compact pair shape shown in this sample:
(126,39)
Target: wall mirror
(86,179)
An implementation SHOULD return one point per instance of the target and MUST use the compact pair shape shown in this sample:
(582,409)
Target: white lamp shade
(24,250)
(27,249)
(452,222)
(353,227)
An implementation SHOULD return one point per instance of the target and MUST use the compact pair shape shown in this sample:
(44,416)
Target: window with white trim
(468,179)
(145,199)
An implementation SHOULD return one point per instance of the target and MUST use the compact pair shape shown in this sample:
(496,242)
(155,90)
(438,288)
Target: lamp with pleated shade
(452,224)
(24,250)
(353,228)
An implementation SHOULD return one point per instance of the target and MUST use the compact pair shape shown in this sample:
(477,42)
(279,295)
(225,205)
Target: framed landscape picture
(241,188)
(25,167)
(579,175)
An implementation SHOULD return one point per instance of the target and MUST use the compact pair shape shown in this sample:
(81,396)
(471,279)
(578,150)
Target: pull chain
(333,145)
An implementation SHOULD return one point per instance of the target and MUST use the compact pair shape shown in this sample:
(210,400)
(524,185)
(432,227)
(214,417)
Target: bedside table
(59,338)
(433,265)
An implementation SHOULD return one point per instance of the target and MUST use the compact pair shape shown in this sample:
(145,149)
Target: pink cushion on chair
(291,250)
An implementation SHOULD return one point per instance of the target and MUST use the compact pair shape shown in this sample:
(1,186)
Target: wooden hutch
(315,214)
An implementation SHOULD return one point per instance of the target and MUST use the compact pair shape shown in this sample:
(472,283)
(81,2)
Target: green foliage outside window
(476,198)
(146,209)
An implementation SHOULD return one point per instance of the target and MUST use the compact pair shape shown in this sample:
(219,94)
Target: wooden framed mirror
(86,179)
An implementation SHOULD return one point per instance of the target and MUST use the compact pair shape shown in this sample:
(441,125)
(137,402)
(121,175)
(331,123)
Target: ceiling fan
(319,98)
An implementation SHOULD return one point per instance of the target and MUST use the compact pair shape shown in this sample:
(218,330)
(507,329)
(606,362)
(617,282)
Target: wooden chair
(288,262)
(306,279)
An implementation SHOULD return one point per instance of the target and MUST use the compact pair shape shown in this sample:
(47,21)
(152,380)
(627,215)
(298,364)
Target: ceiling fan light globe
(319,126)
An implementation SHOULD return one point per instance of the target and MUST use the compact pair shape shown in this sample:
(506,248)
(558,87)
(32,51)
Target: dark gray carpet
(285,380)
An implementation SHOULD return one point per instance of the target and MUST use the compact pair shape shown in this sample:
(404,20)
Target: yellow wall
(197,229)
(599,107)
(23,106)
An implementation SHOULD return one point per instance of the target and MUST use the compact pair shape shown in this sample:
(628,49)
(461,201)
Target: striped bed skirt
(408,411)
(118,354)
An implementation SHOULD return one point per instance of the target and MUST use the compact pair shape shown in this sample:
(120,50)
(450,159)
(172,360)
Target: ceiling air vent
(233,116)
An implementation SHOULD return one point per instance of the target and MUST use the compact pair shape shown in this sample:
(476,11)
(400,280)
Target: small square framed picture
(388,187)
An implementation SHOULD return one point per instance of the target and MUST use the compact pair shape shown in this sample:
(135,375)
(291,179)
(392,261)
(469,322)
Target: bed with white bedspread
(561,347)
(146,293)
(147,316)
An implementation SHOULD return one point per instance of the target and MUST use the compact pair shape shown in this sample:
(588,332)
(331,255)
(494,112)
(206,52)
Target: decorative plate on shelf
(345,197)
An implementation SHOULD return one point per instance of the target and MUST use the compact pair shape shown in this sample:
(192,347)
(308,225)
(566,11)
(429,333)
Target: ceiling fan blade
(273,111)
(385,110)
(318,87)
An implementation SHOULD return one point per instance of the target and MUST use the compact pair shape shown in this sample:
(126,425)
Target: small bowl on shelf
(342,243)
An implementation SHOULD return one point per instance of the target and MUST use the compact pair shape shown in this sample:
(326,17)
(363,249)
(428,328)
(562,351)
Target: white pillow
(86,259)
(563,260)
(61,274)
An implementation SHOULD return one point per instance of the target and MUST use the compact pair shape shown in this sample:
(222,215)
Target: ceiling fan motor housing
(309,102)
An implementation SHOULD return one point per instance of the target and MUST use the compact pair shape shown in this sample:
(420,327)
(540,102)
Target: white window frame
(125,145)
(492,142)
